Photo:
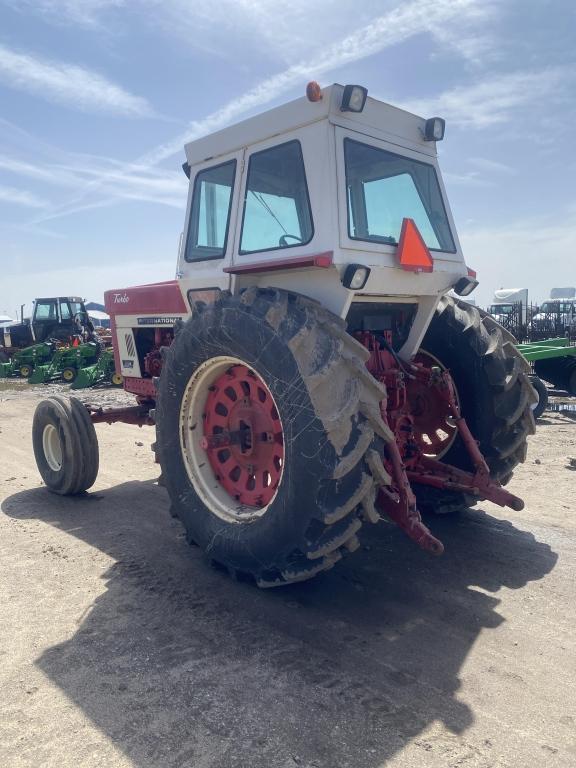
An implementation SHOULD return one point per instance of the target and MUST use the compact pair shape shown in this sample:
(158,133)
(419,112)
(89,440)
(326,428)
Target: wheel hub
(52,447)
(434,429)
(243,437)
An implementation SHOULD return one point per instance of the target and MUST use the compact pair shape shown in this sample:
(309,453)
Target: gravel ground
(120,646)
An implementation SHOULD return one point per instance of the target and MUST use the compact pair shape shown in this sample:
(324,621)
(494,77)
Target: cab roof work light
(434,129)
(353,98)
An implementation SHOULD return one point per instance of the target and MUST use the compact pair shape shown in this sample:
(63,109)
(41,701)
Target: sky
(98,97)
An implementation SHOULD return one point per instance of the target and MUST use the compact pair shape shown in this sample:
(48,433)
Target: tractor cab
(53,318)
(58,317)
(337,195)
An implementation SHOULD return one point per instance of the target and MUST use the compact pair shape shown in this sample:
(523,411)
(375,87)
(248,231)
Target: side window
(65,310)
(210,212)
(45,310)
(276,207)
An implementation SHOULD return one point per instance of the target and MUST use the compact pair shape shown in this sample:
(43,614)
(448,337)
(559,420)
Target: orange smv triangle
(413,253)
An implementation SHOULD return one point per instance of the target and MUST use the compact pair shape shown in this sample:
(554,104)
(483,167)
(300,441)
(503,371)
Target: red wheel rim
(243,437)
(434,430)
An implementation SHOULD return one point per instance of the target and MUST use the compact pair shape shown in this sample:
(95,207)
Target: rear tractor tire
(265,419)
(494,390)
(65,445)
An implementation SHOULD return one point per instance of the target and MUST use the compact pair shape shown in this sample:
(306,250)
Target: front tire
(296,360)
(65,445)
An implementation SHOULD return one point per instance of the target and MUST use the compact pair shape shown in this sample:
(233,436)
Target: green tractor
(25,361)
(66,363)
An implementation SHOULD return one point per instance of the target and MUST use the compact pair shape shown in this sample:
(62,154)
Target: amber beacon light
(313,91)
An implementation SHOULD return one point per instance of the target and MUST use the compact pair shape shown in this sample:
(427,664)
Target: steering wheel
(283,242)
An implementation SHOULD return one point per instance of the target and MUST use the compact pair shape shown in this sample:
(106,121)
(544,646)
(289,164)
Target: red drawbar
(413,253)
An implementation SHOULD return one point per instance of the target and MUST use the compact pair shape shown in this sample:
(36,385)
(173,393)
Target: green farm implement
(554,361)
(65,364)
(102,372)
(25,361)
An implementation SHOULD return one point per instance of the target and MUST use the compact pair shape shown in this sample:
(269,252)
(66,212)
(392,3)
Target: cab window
(77,308)
(45,310)
(383,189)
(277,210)
(210,213)
(65,310)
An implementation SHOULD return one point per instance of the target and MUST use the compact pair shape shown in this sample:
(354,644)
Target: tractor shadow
(180,666)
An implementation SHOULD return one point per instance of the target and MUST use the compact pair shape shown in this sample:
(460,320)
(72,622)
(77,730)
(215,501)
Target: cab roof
(60,298)
(377,119)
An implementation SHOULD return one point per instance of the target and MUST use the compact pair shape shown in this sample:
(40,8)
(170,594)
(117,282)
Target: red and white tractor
(307,372)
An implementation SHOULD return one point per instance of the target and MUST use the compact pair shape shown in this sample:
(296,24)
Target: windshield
(555,306)
(384,188)
(501,309)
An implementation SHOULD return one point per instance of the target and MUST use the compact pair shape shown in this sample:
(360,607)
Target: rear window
(383,188)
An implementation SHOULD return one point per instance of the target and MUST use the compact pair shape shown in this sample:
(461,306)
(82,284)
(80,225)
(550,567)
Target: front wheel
(65,445)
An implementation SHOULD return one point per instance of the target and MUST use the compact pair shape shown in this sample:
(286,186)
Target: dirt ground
(120,645)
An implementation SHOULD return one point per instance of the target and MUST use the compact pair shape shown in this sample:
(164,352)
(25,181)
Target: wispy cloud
(83,12)
(284,30)
(497,98)
(468,179)
(110,177)
(472,38)
(491,166)
(21,197)
(68,84)
(385,31)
